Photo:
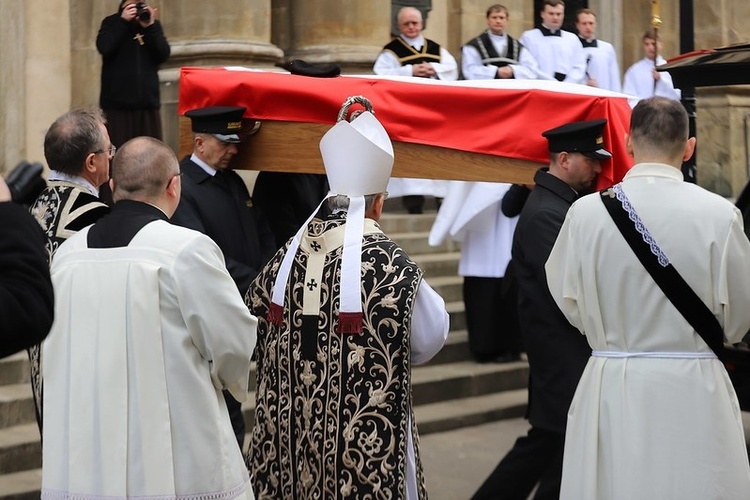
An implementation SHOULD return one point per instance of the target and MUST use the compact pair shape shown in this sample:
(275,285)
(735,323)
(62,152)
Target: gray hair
(71,138)
(341,202)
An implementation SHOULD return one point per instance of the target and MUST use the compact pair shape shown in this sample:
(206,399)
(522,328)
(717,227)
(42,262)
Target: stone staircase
(450,391)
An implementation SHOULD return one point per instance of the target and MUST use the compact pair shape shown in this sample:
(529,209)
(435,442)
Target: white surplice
(133,373)
(654,414)
(471,214)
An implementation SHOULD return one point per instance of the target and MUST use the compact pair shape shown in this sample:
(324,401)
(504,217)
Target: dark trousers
(491,317)
(534,458)
(235,416)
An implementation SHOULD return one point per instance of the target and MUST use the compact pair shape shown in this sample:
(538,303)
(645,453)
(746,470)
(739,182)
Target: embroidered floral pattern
(336,425)
(642,230)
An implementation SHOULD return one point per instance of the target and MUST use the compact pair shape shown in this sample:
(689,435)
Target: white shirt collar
(499,37)
(416,42)
(202,164)
(654,170)
(56,175)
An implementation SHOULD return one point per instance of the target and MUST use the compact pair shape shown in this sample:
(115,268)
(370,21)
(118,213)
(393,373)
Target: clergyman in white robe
(655,414)
(133,373)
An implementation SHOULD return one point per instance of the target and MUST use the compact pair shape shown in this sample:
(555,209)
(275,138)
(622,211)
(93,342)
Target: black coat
(288,200)
(557,351)
(131,56)
(26,297)
(221,208)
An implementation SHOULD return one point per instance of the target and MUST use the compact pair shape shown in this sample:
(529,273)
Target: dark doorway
(571,7)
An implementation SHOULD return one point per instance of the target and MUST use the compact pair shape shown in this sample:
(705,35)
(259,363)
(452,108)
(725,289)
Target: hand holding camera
(139,11)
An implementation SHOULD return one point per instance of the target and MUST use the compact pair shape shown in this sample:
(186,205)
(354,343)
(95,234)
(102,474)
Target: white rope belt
(674,355)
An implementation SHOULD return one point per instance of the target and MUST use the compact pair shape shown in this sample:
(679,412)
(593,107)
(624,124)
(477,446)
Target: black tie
(586,43)
(548,32)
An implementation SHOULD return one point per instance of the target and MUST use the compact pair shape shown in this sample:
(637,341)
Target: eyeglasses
(111,151)
(178,174)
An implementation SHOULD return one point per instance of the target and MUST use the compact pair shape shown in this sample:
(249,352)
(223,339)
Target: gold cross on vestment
(139,37)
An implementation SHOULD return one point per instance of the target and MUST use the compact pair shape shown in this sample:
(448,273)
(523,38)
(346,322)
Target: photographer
(26,300)
(132,45)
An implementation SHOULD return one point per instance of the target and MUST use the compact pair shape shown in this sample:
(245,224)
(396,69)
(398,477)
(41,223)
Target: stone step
(457,315)
(16,405)
(455,349)
(24,485)
(416,243)
(20,448)
(393,223)
(457,413)
(463,379)
(434,384)
(450,288)
(15,369)
(438,264)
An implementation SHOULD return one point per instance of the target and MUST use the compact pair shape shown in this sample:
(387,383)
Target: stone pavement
(457,462)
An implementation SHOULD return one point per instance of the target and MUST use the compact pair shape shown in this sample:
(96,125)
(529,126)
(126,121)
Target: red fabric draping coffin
(497,119)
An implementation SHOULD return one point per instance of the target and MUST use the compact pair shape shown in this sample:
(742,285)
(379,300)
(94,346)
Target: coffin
(467,130)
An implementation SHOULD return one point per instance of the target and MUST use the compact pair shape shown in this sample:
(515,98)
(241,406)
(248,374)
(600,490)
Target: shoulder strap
(662,271)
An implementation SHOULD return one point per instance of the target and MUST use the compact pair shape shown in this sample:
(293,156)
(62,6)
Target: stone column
(219,32)
(339,31)
(35,83)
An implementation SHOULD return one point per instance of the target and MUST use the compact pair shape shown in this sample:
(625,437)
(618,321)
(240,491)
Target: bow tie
(586,43)
(548,32)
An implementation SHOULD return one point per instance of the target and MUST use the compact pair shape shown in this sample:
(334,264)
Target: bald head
(142,170)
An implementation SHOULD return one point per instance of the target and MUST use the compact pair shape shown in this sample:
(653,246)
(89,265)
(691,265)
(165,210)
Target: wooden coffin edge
(293,147)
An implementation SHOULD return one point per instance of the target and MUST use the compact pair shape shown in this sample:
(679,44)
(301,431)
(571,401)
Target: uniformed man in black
(216,202)
(556,350)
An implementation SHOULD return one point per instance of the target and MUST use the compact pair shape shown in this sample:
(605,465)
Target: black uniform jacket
(221,208)
(557,351)
(26,297)
(288,200)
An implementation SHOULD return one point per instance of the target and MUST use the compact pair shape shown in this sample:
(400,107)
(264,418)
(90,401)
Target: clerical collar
(548,32)
(202,164)
(416,42)
(56,175)
(502,36)
(587,43)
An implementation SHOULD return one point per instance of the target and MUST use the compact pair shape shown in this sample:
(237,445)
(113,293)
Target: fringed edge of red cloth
(350,323)
(275,313)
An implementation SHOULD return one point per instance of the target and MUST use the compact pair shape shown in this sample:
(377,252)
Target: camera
(25,182)
(142,13)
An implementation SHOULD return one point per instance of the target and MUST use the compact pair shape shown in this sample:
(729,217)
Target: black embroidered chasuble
(407,54)
(332,409)
(489,55)
(62,209)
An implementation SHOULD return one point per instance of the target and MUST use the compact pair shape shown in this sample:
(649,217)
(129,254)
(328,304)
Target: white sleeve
(447,68)
(614,70)
(734,275)
(219,323)
(429,324)
(562,270)
(577,73)
(388,64)
(472,67)
(528,69)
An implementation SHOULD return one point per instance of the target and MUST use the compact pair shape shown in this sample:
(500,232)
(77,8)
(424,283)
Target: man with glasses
(216,202)
(134,364)
(78,152)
